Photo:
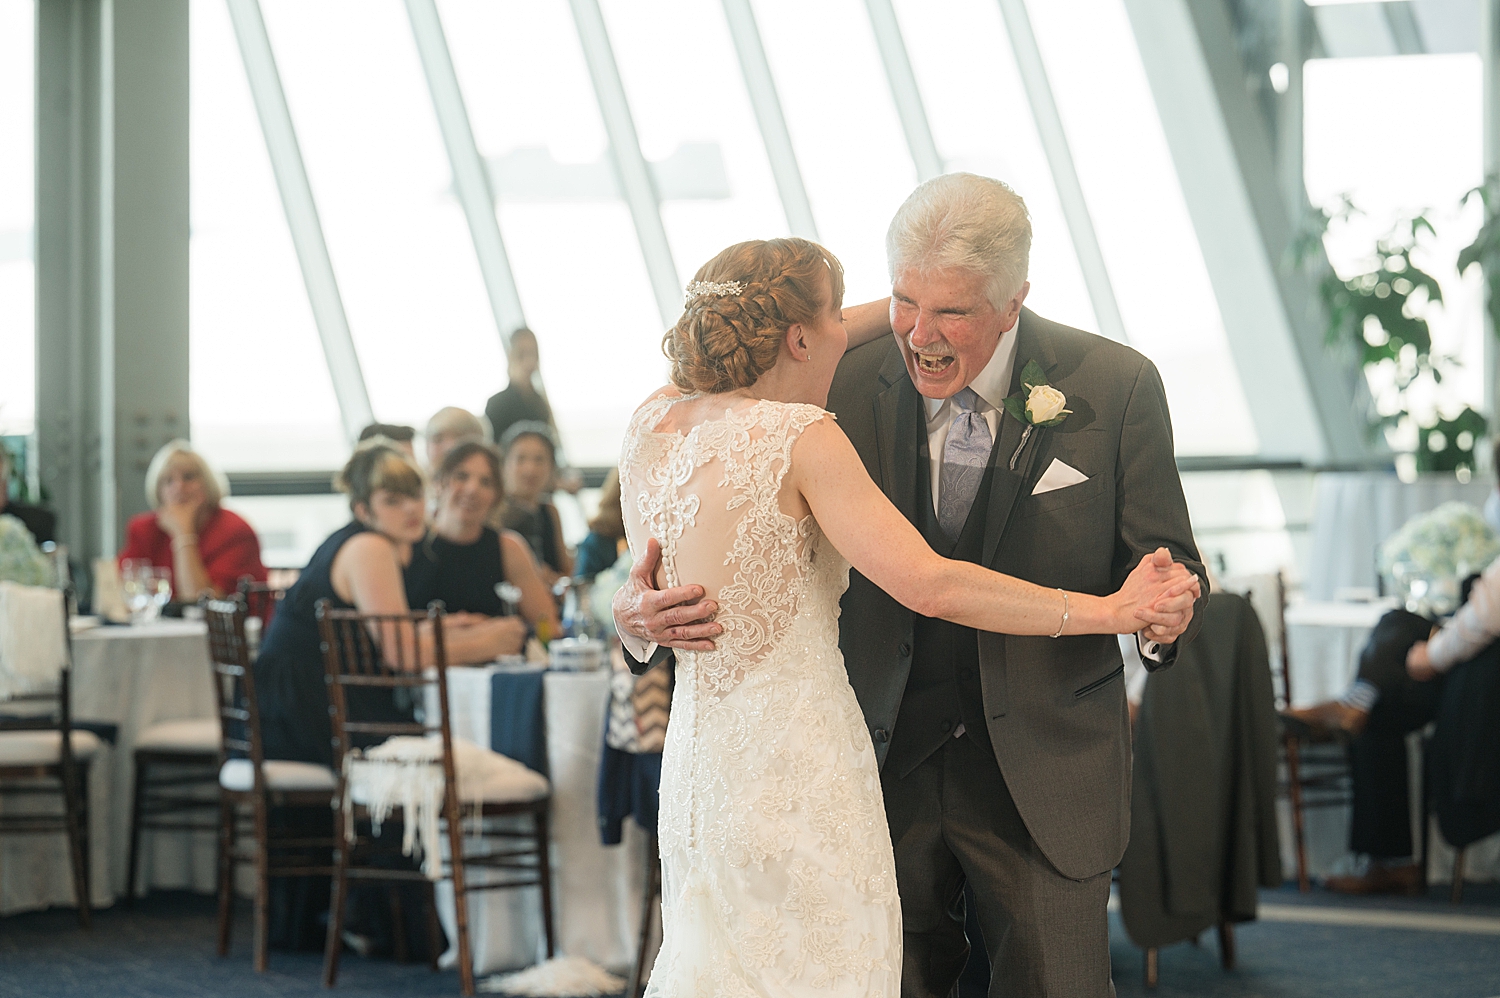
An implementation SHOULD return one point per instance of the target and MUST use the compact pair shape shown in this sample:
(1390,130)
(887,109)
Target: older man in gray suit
(1005,760)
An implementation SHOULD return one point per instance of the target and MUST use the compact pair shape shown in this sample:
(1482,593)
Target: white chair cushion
(483,774)
(41,748)
(498,779)
(280,774)
(195,736)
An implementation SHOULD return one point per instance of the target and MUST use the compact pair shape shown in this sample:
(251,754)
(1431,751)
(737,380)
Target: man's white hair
(962,221)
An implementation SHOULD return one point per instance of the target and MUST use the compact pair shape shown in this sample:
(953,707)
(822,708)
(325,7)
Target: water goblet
(160,588)
(136,583)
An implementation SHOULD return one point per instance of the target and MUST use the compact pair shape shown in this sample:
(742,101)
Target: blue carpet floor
(1296,959)
(164,949)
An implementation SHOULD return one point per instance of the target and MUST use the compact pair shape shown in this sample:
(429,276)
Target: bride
(777,869)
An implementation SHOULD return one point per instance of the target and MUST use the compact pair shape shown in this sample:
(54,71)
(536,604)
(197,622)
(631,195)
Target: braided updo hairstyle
(724,342)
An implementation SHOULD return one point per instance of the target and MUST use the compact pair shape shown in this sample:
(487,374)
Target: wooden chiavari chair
(250,785)
(368,653)
(42,755)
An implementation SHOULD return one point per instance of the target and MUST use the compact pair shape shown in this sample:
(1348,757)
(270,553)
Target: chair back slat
(384,652)
(234,681)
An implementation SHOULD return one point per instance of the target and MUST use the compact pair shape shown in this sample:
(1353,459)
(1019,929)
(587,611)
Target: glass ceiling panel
(710,164)
(1138,210)
(400,245)
(849,143)
(981,121)
(17,192)
(259,393)
(572,245)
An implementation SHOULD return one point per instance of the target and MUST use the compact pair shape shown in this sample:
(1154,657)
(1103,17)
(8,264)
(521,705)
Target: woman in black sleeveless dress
(360,566)
(462,560)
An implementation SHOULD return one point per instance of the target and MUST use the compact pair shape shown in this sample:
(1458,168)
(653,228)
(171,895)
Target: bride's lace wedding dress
(777,872)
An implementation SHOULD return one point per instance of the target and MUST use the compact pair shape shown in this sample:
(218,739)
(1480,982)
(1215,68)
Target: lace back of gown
(777,870)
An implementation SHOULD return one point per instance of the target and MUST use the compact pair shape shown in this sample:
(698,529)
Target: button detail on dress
(882,735)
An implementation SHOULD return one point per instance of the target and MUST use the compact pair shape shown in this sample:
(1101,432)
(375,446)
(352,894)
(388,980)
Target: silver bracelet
(1065,613)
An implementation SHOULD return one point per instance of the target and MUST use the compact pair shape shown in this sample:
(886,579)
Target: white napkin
(33,648)
(1058,476)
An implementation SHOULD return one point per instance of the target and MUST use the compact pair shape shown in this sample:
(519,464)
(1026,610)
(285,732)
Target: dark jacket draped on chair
(1203,808)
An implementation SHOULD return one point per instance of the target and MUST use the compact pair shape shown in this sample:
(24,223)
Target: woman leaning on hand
(207,548)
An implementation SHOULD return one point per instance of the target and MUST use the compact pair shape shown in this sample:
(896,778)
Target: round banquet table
(131,677)
(596,889)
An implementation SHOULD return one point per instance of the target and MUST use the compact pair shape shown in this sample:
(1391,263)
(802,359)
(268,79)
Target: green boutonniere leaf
(1032,375)
(1015,405)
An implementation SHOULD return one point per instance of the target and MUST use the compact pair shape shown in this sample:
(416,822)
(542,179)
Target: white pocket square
(1058,476)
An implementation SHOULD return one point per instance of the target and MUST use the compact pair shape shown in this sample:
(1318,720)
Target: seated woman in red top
(208,548)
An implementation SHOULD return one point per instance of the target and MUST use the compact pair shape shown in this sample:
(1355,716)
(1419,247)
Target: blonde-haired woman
(778,876)
(207,548)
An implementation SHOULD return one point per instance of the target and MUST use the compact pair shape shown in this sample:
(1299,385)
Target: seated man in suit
(1398,690)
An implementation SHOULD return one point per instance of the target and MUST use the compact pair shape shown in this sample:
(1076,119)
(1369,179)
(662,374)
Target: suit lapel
(899,429)
(1006,487)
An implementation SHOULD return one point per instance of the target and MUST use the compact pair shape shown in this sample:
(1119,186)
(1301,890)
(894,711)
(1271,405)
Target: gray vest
(942,690)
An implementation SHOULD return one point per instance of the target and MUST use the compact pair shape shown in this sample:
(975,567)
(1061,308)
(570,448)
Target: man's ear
(362,513)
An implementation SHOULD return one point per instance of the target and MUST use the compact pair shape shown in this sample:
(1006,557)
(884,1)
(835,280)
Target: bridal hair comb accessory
(719,289)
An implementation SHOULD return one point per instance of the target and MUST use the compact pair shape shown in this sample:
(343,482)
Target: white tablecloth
(1353,512)
(596,889)
(1325,639)
(133,677)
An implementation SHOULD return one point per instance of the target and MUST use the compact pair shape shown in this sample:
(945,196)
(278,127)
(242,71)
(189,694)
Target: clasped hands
(679,617)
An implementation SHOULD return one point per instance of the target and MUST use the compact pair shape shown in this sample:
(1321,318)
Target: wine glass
(136,582)
(160,588)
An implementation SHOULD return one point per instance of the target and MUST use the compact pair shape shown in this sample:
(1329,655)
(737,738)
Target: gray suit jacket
(1056,708)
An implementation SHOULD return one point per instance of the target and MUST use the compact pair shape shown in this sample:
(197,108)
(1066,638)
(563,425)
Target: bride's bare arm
(867,322)
(883,546)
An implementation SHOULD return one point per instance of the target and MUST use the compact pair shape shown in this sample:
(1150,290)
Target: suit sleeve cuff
(638,648)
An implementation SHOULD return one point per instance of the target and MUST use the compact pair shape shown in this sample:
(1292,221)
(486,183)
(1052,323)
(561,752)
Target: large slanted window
(1145,234)
(260,396)
(844,128)
(401,250)
(572,245)
(17,201)
(696,126)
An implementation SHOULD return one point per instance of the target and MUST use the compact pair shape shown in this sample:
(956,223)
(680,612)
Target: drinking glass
(137,583)
(160,587)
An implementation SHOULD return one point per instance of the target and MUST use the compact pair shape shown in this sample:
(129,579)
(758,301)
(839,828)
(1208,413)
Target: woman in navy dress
(360,566)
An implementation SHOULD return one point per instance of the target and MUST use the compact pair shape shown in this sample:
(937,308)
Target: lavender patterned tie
(966,452)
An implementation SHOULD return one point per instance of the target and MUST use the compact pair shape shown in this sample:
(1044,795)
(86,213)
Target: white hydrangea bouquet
(1430,556)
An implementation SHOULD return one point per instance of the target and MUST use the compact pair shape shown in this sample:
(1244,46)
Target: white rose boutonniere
(1045,403)
(1036,404)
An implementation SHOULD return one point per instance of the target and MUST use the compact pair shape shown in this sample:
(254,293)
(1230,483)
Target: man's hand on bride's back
(1158,597)
(678,617)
